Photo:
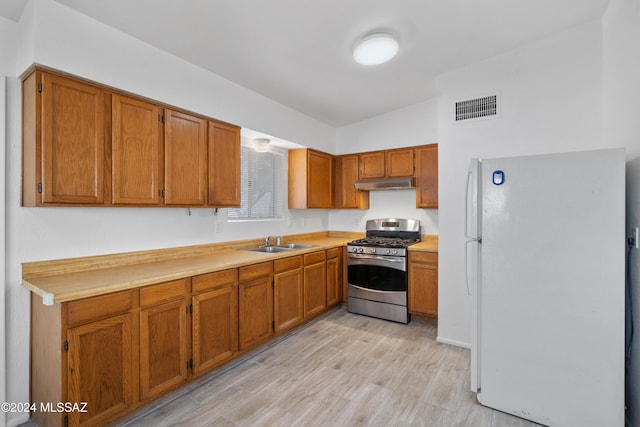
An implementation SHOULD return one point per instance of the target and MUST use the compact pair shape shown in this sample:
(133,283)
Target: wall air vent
(477,108)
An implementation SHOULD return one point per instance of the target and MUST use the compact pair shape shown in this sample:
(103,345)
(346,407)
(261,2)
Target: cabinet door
(347,195)
(315,284)
(185,159)
(371,165)
(334,276)
(399,163)
(73,146)
(320,180)
(163,348)
(287,296)
(100,369)
(224,165)
(427,181)
(423,283)
(136,152)
(255,311)
(215,328)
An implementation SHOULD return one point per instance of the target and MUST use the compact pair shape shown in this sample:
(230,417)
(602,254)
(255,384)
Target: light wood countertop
(71,279)
(429,243)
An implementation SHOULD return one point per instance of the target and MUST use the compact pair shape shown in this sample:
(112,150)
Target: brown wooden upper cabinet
(371,165)
(346,175)
(136,151)
(224,165)
(63,141)
(387,164)
(427,176)
(85,144)
(185,159)
(311,179)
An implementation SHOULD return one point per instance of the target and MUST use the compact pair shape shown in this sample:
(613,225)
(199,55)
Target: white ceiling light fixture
(261,145)
(375,49)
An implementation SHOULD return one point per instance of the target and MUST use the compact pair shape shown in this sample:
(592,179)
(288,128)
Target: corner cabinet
(347,197)
(311,179)
(89,145)
(423,283)
(427,176)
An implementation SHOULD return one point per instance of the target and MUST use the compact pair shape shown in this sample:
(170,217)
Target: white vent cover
(477,108)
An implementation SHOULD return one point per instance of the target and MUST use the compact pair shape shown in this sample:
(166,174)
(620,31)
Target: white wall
(552,96)
(413,125)
(551,92)
(621,76)
(55,36)
(8,45)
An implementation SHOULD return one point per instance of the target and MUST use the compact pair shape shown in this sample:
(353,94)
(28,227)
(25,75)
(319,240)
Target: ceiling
(298,52)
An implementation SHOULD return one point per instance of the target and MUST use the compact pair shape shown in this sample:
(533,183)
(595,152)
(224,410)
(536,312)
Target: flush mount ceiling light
(375,49)
(261,145)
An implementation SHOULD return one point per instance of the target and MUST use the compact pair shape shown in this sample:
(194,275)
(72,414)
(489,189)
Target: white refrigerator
(546,270)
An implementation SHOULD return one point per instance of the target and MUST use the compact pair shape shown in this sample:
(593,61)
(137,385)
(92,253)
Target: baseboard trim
(453,342)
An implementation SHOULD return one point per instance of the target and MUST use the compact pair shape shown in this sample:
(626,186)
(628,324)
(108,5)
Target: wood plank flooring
(340,370)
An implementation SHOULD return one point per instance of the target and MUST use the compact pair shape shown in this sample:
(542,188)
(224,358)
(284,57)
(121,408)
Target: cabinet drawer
(164,292)
(100,307)
(215,280)
(254,271)
(424,257)
(287,264)
(314,258)
(334,253)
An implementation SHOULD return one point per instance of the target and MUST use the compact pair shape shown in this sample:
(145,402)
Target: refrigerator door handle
(469,229)
(466,261)
(466,206)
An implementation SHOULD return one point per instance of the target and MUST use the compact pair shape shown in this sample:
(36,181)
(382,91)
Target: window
(262,185)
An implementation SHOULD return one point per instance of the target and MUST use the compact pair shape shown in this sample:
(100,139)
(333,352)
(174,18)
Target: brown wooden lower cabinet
(423,283)
(287,293)
(255,304)
(119,351)
(100,369)
(334,276)
(315,283)
(215,319)
(163,337)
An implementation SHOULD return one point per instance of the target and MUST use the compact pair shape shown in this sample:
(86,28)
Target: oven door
(379,273)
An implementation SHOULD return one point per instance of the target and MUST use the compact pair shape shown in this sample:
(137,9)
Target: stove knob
(373,250)
(360,250)
(387,251)
(395,251)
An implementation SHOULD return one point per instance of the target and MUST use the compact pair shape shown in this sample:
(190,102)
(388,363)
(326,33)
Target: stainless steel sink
(267,249)
(278,248)
(294,246)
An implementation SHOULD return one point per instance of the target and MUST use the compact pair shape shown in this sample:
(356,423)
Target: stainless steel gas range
(377,269)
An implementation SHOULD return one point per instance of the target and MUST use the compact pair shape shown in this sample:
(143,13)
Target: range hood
(405,183)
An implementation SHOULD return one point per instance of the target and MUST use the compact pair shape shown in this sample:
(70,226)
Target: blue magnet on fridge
(498,177)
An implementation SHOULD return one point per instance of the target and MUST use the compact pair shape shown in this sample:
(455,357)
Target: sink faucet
(267,240)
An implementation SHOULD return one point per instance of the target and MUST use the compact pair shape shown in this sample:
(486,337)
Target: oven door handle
(376,260)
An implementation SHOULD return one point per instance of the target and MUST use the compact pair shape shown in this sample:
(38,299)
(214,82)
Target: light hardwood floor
(340,370)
